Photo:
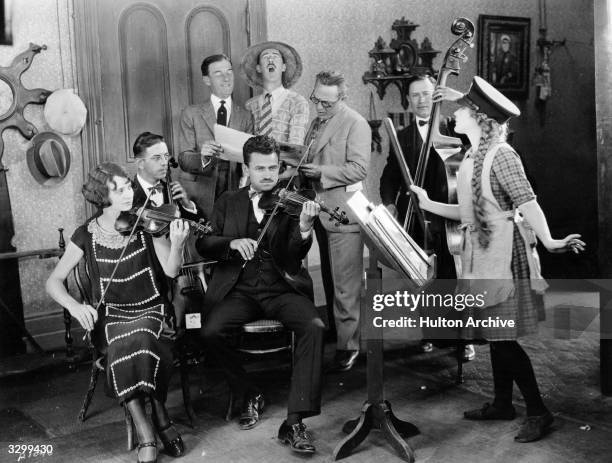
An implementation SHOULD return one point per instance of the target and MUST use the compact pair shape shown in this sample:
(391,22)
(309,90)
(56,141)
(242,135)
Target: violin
(156,221)
(291,202)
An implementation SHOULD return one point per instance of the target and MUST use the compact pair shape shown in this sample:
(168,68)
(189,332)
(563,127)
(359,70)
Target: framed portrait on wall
(503,53)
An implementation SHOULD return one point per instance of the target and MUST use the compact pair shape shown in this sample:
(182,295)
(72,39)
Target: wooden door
(139,65)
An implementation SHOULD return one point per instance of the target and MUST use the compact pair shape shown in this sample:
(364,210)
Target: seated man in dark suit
(268,280)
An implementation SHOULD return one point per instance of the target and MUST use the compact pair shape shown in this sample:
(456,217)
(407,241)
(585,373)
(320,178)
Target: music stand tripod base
(376,412)
(377,416)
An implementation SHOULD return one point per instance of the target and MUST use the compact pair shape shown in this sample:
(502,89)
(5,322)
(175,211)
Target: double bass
(450,149)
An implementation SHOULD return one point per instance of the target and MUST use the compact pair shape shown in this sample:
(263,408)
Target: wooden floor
(41,408)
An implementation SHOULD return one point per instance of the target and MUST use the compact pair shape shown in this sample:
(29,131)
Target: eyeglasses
(325,104)
(160,157)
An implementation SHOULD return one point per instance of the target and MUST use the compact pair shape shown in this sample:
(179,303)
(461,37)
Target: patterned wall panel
(206,32)
(144,74)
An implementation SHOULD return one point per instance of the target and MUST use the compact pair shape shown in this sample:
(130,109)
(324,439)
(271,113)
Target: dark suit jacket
(196,128)
(230,220)
(140,197)
(393,190)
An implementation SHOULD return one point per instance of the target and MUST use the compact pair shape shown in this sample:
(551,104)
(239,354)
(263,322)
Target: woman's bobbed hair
(95,190)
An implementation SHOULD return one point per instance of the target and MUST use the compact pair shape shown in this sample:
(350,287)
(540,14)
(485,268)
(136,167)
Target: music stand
(376,412)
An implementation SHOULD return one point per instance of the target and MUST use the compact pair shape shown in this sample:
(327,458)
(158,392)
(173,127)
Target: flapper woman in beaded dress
(133,324)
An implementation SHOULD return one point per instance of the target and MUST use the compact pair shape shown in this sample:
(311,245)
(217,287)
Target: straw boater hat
(65,112)
(485,98)
(292,60)
(48,158)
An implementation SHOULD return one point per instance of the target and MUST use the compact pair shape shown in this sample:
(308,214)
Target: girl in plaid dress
(132,325)
(498,257)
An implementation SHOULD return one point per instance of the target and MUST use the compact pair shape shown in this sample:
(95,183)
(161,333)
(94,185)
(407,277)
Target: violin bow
(277,205)
(110,280)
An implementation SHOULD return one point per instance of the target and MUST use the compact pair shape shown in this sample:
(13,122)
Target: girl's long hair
(492,133)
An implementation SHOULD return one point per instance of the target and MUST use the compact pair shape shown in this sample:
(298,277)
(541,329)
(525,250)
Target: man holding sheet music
(204,176)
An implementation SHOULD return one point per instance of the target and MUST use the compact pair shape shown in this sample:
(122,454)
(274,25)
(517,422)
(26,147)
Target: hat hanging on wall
(48,158)
(65,112)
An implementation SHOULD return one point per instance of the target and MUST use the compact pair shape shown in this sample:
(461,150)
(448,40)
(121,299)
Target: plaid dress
(510,188)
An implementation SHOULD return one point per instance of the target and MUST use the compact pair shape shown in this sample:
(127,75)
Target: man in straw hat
(278,112)
(203,175)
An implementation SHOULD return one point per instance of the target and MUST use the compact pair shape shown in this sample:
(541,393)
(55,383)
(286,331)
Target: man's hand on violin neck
(310,211)
(179,194)
(245,246)
(179,231)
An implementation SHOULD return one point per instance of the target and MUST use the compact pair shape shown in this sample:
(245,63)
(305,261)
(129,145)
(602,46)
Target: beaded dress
(132,328)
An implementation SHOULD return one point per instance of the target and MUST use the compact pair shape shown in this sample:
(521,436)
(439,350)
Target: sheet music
(399,249)
(233,140)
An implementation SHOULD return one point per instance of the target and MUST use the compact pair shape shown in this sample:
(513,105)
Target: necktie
(255,196)
(156,197)
(222,114)
(312,136)
(422,122)
(265,121)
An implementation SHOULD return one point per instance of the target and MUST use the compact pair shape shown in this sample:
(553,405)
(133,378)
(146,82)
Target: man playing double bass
(393,190)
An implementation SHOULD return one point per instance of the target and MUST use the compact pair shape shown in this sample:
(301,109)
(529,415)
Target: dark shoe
(426,347)
(297,437)
(534,428)
(469,353)
(173,447)
(344,360)
(489,412)
(143,445)
(252,407)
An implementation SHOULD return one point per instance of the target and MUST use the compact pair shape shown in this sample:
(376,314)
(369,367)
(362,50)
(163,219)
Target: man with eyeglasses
(152,158)
(204,176)
(337,165)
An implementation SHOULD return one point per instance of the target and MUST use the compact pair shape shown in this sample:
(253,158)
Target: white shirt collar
(278,96)
(422,128)
(144,184)
(277,93)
